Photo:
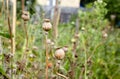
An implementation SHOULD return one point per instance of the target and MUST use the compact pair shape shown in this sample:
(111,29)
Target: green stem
(86,65)
(85,62)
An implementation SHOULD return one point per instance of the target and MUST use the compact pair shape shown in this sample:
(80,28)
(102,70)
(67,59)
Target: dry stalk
(9,26)
(24,56)
(14,25)
(62,75)
(26,34)
(25,28)
(81,74)
(1,49)
(46,47)
(12,31)
(73,63)
(56,18)
(2,9)
(23,5)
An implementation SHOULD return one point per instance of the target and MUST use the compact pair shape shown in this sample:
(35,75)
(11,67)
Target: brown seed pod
(52,43)
(8,57)
(65,48)
(25,15)
(48,41)
(47,25)
(58,63)
(35,48)
(76,35)
(104,34)
(59,53)
(50,64)
(21,65)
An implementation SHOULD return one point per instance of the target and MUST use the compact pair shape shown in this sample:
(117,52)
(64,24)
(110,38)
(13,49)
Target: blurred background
(89,29)
(68,8)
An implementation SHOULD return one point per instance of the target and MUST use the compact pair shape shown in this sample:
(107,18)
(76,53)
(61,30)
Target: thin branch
(23,5)
(46,46)
(56,18)
(2,9)
(26,33)
(81,74)
(25,26)
(9,26)
(62,75)
(14,25)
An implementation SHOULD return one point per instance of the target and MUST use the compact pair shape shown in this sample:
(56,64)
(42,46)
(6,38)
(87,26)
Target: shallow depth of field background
(88,31)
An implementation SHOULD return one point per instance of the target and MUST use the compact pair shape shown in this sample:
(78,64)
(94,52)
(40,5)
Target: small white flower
(105,35)
(83,29)
(32,56)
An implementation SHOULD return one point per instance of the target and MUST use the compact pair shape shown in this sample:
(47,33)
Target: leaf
(4,34)
(3,73)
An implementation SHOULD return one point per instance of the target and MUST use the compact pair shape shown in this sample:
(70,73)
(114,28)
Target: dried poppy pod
(77,35)
(48,41)
(58,63)
(52,43)
(50,64)
(59,53)
(20,65)
(35,48)
(104,34)
(65,48)
(47,25)
(25,15)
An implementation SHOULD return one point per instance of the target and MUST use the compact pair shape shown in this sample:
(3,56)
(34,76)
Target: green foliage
(29,6)
(95,16)
(103,50)
(6,35)
(2,72)
(113,7)
(93,43)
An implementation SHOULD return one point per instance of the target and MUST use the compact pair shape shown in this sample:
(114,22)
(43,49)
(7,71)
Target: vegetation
(113,7)
(87,47)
